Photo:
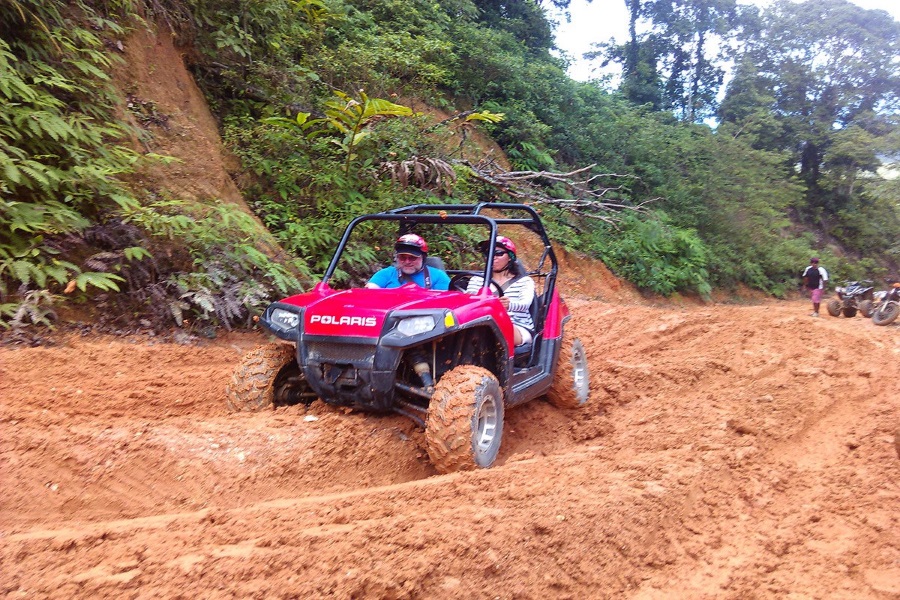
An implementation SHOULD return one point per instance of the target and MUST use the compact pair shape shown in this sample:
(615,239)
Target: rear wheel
(571,385)
(886,314)
(265,376)
(465,420)
(849,311)
(834,307)
(866,308)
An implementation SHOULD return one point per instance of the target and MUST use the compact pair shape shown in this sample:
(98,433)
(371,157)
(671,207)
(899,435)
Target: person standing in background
(814,279)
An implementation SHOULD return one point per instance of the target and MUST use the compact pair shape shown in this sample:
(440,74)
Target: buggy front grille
(329,352)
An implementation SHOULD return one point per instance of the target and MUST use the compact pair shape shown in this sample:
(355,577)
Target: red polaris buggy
(442,358)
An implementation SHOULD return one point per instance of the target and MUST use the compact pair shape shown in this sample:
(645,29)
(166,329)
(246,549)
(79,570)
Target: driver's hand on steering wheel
(504,301)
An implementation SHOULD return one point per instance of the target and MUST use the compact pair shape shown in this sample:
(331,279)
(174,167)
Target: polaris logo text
(333,320)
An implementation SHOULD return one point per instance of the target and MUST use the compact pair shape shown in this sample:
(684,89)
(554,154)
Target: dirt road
(728,452)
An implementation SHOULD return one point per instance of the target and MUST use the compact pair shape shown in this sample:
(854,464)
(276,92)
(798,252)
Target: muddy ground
(727,452)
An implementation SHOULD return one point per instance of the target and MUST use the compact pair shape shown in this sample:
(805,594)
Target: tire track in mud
(120,526)
(379,530)
(727,452)
(364,495)
(798,430)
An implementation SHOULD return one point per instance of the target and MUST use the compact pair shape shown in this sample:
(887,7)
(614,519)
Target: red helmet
(503,242)
(506,243)
(411,244)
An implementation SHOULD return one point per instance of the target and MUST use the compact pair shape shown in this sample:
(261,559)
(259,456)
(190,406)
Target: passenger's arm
(475,284)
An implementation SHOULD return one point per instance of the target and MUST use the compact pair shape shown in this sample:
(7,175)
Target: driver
(517,287)
(409,267)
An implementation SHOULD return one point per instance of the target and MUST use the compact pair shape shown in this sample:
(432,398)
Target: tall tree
(639,58)
(689,35)
(679,54)
(824,67)
(525,19)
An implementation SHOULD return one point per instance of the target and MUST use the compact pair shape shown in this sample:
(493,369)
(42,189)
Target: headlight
(416,325)
(285,318)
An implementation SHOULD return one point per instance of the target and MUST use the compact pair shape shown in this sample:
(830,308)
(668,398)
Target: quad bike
(888,307)
(852,297)
(445,359)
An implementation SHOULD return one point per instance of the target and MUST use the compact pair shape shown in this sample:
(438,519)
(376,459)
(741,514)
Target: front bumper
(359,375)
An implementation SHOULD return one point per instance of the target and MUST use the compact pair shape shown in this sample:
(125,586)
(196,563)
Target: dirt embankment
(727,452)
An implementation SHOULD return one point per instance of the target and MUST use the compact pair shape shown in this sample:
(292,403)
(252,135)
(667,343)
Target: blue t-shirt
(389,277)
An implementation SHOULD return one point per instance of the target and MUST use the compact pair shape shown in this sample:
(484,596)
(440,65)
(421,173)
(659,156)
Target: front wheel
(886,314)
(265,376)
(465,420)
(571,385)
(849,311)
(834,307)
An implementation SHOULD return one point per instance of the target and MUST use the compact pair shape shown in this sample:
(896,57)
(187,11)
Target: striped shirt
(520,293)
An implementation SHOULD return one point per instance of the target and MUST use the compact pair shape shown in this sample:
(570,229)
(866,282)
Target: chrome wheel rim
(487,425)
(579,373)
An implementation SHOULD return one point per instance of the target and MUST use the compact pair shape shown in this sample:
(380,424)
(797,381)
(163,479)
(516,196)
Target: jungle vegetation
(738,142)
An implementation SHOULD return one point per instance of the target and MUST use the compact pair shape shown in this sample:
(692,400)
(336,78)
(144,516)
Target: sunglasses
(497,253)
(407,257)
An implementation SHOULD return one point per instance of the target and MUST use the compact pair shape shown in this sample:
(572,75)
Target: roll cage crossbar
(459,214)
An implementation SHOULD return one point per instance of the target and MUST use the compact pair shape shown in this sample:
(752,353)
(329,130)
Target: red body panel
(555,315)
(360,312)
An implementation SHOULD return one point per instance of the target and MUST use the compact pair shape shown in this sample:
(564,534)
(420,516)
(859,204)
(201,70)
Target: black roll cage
(463,214)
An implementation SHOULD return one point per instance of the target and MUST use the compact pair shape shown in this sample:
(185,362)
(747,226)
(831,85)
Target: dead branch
(589,197)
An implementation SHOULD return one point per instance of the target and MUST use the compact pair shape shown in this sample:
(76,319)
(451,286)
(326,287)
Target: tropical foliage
(70,223)
(316,98)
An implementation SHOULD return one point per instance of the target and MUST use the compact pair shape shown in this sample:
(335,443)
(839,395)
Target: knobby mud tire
(252,384)
(867,308)
(465,420)
(834,307)
(571,384)
(886,314)
(849,312)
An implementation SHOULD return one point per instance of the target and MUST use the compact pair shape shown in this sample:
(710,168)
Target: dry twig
(588,196)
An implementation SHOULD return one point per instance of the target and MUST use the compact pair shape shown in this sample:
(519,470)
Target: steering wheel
(460,282)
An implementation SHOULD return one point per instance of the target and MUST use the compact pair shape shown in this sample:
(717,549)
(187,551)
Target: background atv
(853,296)
(445,359)
(887,307)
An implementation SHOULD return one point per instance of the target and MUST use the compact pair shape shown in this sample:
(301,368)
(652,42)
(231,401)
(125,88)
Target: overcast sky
(604,19)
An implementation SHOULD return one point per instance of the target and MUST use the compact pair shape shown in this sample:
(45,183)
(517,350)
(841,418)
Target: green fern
(35,308)
(231,278)
(59,160)
(103,281)
(347,117)
(136,253)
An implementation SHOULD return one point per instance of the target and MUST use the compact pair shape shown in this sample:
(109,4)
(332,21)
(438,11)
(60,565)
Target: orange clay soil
(727,452)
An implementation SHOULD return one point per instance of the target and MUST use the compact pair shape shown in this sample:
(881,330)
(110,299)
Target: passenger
(518,288)
(411,252)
